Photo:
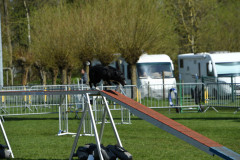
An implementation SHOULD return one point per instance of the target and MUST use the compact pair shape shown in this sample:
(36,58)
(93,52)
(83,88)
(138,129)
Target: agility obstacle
(194,138)
(201,142)
(98,138)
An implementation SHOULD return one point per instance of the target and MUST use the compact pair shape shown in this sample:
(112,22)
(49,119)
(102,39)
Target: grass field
(35,136)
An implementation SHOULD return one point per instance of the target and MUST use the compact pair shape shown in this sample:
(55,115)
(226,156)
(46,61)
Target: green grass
(35,136)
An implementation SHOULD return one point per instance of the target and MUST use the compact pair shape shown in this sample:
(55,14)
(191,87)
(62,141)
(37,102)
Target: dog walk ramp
(194,138)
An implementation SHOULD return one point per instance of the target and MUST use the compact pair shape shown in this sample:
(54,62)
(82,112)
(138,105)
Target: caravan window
(228,69)
(154,70)
(208,72)
(181,63)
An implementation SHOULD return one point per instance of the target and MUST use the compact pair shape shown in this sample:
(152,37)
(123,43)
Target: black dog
(106,73)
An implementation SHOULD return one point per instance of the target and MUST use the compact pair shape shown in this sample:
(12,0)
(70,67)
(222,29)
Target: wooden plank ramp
(192,137)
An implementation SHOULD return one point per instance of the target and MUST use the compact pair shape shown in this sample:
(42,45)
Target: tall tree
(25,59)
(188,15)
(141,26)
(55,24)
(20,28)
(220,30)
(9,39)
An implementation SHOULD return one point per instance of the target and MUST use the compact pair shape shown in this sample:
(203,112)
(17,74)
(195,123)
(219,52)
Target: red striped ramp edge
(192,137)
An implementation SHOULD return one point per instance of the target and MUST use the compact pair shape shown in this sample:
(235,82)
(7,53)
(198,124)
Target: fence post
(180,89)
(163,76)
(218,98)
(232,86)
(203,90)
(148,89)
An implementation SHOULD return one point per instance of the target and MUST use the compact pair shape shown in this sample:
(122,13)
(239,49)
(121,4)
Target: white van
(221,67)
(153,71)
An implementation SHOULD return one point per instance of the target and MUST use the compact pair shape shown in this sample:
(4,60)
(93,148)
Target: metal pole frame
(63,117)
(89,108)
(97,138)
(6,139)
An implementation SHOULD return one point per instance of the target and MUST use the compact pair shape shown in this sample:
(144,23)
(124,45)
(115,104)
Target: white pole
(1,61)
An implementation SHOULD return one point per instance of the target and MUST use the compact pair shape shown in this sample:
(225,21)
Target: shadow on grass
(199,118)
(37,159)
(28,118)
(51,118)
(207,118)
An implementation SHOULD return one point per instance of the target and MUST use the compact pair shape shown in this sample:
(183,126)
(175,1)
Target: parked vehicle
(219,68)
(155,75)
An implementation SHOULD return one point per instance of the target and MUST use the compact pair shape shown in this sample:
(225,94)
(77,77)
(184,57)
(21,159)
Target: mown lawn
(35,136)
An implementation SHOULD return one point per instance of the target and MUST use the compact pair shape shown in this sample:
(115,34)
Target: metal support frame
(2,108)
(98,137)
(63,118)
(211,107)
(6,139)
(236,110)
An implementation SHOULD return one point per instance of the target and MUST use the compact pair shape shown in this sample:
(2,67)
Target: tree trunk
(25,75)
(134,79)
(43,77)
(193,21)
(87,71)
(8,33)
(54,76)
(64,76)
(69,78)
(28,20)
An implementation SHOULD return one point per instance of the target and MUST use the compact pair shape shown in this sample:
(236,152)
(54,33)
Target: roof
(147,58)
(216,57)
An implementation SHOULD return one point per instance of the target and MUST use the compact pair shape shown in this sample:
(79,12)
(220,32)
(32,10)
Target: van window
(154,70)
(181,63)
(208,72)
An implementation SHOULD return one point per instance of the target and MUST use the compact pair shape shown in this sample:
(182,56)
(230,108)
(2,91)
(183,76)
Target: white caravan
(221,67)
(155,75)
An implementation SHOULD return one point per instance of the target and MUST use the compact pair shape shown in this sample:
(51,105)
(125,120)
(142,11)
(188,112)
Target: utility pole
(1,60)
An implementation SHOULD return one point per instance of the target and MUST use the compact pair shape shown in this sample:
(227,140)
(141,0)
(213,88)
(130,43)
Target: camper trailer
(221,68)
(155,75)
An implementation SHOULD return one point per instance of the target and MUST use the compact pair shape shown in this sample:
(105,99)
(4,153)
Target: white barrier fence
(223,95)
(180,95)
(184,97)
(29,102)
(36,104)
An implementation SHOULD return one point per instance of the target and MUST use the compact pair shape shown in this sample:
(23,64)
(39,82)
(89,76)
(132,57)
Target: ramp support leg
(106,109)
(78,132)
(6,139)
(89,107)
